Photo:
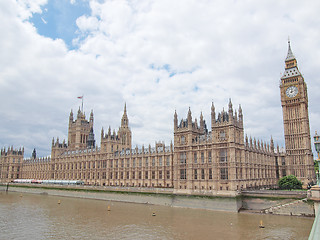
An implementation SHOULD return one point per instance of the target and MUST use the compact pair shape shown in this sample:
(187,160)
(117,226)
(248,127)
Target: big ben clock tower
(294,101)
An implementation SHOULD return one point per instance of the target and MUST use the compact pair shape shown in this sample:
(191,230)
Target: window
(183,158)
(222,135)
(153,174)
(160,174)
(160,161)
(195,174)
(140,175)
(195,157)
(146,162)
(202,157)
(168,174)
(224,173)
(146,175)
(202,174)
(183,139)
(183,174)
(133,175)
(128,163)
(134,163)
(153,161)
(127,175)
(168,161)
(209,157)
(104,175)
(223,155)
(122,163)
(140,162)
(210,173)
(121,175)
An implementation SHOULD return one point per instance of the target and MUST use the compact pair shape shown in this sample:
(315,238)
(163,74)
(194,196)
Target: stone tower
(187,135)
(124,132)
(79,130)
(228,142)
(294,101)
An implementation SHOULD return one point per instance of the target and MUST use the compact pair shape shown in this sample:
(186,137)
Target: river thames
(30,216)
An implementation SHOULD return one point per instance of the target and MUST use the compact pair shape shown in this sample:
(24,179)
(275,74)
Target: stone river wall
(282,203)
(230,204)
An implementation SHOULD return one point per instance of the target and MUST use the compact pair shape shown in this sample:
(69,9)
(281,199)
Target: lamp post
(317,146)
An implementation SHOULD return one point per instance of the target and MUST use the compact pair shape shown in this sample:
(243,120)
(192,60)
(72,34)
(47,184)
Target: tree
(290,182)
(316,165)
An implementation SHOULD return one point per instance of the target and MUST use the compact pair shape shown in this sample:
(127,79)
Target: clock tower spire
(294,101)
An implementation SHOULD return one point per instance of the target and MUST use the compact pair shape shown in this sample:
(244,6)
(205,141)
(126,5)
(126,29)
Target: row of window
(140,175)
(201,174)
(121,175)
(222,157)
(113,163)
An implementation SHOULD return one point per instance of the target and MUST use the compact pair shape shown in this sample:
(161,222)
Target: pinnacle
(290,55)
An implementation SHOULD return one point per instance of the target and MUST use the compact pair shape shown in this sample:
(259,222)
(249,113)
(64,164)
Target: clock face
(292,91)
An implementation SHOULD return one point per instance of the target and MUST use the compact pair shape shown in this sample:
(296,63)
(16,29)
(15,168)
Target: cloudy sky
(157,56)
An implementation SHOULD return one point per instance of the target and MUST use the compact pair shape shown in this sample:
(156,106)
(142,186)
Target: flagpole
(82,103)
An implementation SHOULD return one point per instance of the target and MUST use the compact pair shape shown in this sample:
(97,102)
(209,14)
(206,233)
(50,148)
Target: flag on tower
(80,97)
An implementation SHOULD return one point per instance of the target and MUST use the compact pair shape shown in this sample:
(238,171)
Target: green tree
(316,165)
(289,182)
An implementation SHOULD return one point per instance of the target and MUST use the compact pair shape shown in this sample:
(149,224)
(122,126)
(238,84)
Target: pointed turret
(189,119)
(124,120)
(291,64)
(102,133)
(230,111)
(240,113)
(213,114)
(91,116)
(71,117)
(175,120)
(202,123)
(34,154)
(290,55)
(272,144)
(79,114)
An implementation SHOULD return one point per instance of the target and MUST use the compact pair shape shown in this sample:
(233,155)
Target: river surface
(32,217)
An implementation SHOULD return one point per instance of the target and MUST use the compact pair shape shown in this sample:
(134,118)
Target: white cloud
(157,56)
(25,8)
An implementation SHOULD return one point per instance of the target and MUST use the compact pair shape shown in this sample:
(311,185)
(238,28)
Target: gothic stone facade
(201,160)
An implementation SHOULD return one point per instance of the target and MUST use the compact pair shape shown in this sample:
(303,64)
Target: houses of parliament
(199,161)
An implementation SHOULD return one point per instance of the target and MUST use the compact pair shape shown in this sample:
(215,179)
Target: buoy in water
(109,208)
(153,214)
(261,224)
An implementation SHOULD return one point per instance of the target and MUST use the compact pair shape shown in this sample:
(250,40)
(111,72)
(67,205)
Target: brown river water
(31,216)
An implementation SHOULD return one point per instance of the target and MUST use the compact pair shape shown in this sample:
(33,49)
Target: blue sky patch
(58,19)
